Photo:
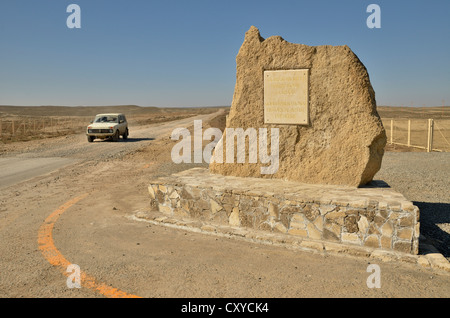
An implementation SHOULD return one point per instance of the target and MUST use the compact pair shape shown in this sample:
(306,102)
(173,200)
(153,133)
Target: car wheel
(90,138)
(116,136)
(125,135)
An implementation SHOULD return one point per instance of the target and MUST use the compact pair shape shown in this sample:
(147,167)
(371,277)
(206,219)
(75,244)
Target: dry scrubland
(439,112)
(31,123)
(21,123)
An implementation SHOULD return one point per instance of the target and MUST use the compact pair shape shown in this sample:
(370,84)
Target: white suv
(107,126)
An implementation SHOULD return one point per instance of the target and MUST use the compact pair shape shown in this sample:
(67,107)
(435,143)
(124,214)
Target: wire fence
(34,128)
(427,134)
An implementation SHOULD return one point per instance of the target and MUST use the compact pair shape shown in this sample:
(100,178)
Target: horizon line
(209,106)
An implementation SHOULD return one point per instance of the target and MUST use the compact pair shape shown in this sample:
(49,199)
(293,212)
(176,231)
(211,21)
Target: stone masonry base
(374,217)
(429,257)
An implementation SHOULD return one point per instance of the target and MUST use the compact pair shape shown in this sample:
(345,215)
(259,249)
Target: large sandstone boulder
(344,141)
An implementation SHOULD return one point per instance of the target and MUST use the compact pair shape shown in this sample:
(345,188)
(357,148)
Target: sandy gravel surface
(423,178)
(155,261)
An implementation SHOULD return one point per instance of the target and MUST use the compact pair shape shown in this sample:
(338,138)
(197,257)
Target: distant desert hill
(440,112)
(89,110)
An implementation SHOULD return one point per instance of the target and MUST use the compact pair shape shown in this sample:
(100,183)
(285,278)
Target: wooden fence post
(12,128)
(409,132)
(430,135)
(392,131)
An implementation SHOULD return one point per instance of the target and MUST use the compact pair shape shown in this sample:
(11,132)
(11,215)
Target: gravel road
(77,147)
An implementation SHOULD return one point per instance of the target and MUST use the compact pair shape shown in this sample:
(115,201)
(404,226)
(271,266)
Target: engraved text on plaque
(286,97)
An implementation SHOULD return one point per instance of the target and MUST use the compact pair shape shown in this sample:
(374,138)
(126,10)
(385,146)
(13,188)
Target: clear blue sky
(182,53)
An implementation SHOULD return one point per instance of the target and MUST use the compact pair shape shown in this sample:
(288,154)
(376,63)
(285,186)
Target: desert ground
(43,171)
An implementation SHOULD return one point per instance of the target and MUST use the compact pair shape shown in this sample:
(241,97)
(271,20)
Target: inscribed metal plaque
(286,97)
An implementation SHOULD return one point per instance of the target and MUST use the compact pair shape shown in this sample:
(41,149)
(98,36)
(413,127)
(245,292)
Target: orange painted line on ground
(55,258)
(146,166)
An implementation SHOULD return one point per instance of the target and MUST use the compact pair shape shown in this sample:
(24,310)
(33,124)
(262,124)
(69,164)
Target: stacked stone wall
(373,217)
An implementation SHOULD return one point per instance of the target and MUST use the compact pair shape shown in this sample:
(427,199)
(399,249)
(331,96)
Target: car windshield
(106,119)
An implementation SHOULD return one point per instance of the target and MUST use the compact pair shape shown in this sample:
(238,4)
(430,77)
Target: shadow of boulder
(431,215)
